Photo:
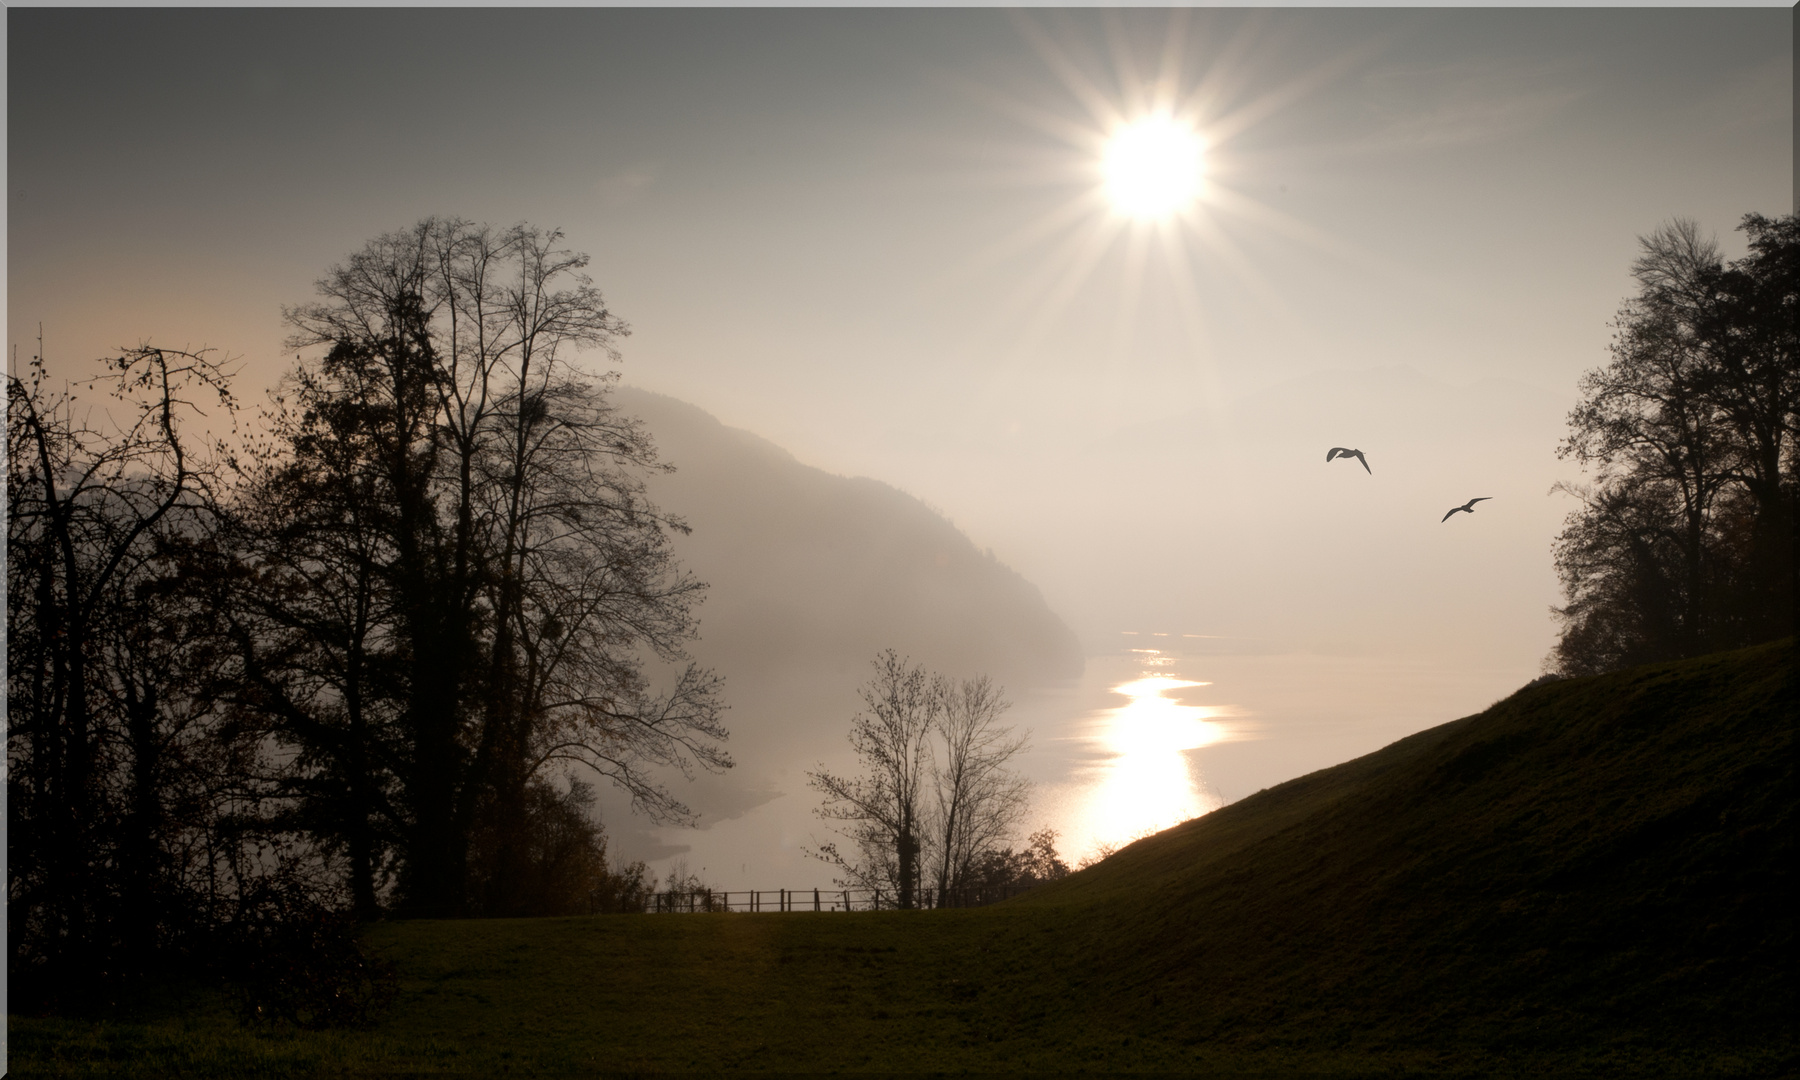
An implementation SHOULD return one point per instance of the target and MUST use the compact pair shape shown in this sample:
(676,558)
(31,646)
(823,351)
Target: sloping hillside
(1609,857)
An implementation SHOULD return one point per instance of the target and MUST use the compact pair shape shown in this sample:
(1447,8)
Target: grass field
(1593,877)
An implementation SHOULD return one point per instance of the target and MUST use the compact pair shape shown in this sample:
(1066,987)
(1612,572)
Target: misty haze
(1185,505)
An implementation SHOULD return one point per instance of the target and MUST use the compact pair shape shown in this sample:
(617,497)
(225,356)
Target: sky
(879,240)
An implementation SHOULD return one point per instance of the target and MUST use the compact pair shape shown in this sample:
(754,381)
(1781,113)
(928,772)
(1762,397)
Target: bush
(550,859)
(293,960)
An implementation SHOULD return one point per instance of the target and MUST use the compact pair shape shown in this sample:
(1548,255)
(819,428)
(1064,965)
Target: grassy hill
(1606,858)
(1593,876)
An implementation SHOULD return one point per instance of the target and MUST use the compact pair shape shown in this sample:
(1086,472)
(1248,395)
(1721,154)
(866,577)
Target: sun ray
(1176,258)
(1131,294)
(1091,246)
(1229,125)
(1173,61)
(1268,217)
(1071,214)
(1132,85)
(1080,237)
(1099,105)
(1060,126)
(1225,68)
(1171,234)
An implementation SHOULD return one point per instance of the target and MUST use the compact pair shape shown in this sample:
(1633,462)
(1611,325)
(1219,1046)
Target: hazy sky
(876,239)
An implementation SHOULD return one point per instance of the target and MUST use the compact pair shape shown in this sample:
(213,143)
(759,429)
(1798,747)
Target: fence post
(815,899)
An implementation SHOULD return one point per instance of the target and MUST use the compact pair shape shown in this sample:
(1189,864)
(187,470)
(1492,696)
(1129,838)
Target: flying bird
(1468,507)
(1338,451)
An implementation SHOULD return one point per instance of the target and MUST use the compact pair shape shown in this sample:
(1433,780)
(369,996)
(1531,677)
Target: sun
(1153,168)
(1143,187)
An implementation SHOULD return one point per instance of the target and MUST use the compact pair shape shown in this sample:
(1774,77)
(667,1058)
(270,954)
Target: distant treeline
(339,663)
(1685,543)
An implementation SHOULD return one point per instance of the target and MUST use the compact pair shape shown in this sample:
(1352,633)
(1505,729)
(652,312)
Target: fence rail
(822,900)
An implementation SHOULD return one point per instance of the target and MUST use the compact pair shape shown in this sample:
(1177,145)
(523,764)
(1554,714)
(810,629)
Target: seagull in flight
(1338,451)
(1469,507)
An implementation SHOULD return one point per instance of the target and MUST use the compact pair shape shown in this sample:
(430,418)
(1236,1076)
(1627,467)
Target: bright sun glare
(1145,784)
(1153,168)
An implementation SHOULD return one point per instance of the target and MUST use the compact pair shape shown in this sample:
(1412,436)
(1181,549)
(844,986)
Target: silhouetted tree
(1685,542)
(979,801)
(258,699)
(1037,863)
(475,577)
(935,795)
(1751,331)
(119,765)
(883,811)
(560,861)
(624,890)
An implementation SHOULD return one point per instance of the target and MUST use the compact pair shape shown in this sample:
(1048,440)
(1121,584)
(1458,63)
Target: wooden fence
(822,900)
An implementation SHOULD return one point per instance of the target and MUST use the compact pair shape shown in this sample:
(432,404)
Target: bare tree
(979,800)
(935,796)
(113,744)
(884,809)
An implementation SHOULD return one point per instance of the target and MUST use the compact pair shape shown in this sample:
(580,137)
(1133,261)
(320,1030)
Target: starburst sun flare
(1149,214)
(1153,167)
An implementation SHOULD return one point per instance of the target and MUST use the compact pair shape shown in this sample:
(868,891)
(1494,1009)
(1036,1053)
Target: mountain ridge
(802,560)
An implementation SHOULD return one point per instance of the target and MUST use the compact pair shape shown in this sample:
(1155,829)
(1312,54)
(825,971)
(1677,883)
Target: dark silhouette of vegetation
(292,959)
(1037,863)
(936,796)
(345,666)
(124,837)
(1686,541)
(475,529)
(560,857)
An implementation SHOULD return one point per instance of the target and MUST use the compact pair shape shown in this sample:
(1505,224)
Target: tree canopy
(1685,540)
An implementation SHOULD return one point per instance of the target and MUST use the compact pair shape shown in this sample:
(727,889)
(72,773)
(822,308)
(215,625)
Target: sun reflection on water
(1145,780)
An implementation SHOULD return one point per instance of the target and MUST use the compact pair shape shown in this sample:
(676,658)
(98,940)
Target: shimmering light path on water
(1139,777)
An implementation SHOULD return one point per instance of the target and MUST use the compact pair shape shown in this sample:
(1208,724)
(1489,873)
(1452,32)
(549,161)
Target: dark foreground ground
(1594,877)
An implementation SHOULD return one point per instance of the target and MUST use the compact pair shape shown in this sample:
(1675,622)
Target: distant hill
(809,575)
(1592,861)
(809,568)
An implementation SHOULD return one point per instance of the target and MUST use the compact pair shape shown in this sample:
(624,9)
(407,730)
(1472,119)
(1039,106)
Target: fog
(1301,612)
(872,244)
